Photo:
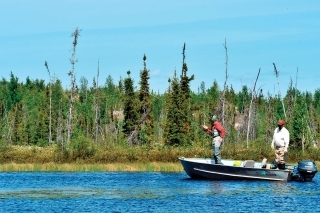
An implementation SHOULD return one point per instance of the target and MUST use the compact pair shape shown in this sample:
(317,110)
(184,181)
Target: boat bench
(248,163)
(251,164)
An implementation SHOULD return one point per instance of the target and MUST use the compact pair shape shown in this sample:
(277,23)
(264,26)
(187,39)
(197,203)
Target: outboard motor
(304,171)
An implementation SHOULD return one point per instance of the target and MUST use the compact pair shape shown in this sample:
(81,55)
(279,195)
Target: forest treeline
(35,113)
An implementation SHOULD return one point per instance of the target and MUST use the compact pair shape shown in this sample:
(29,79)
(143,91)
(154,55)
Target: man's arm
(272,143)
(286,140)
(206,129)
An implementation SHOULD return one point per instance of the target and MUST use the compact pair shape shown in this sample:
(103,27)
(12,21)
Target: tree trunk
(225,84)
(76,34)
(249,116)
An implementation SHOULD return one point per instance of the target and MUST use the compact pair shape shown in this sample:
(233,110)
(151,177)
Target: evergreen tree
(111,110)
(84,106)
(13,87)
(299,125)
(58,110)
(316,100)
(279,113)
(130,111)
(185,107)
(316,104)
(244,99)
(112,101)
(4,97)
(32,121)
(289,100)
(231,96)
(146,129)
(173,124)
(83,90)
(213,97)
(120,86)
(203,108)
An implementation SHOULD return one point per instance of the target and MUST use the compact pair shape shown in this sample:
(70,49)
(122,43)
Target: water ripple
(149,192)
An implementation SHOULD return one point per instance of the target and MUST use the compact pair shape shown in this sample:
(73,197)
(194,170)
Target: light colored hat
(214,118)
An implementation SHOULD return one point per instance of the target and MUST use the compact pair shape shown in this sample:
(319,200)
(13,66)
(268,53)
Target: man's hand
(205,128)
(220,139)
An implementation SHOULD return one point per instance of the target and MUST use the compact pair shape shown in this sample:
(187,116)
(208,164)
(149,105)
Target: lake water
(150,192)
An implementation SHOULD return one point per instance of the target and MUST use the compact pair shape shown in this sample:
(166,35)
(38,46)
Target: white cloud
(155,73)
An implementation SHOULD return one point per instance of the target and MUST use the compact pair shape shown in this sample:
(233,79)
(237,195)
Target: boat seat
(264,163)
(237,163)
(248,163)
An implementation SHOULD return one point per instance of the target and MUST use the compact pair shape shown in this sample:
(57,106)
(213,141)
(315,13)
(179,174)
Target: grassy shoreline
(129,159)
(109,167)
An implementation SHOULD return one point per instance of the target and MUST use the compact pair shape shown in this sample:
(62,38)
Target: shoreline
(85,167)
(96,167)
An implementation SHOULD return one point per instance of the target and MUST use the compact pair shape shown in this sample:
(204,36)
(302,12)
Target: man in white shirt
(280,143)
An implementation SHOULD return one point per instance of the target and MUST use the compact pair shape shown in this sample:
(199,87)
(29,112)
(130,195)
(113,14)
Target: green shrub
(81,148)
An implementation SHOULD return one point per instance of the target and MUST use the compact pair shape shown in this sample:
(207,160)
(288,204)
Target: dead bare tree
(73,88)
(225,83)
(250,107)
(277,75)
(50,107)
(96,107)
(296,89)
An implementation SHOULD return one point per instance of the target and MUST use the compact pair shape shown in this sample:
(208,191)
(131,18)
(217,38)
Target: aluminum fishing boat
(205,168)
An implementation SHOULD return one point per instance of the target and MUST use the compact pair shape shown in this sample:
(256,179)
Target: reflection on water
(52,194)
(216,187)
(149,192)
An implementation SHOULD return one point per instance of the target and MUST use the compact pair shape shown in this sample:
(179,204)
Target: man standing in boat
(218,132)
(280,144)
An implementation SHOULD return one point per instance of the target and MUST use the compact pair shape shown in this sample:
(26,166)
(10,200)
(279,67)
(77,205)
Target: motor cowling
(305,170)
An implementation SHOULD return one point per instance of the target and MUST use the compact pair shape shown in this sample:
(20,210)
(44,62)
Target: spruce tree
(146,128)
(185,107)
(14,95)
(213,97)
(57,103)
(109,100)
(173,124)
(130,111)
(316,104)
(299,125)
(179,116)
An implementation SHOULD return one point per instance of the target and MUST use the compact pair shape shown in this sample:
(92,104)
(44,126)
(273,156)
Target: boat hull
(201,168)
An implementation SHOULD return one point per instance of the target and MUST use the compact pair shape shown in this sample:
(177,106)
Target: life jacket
(215,133)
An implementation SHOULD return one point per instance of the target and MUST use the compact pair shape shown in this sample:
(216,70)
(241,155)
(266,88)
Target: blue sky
(117,33)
